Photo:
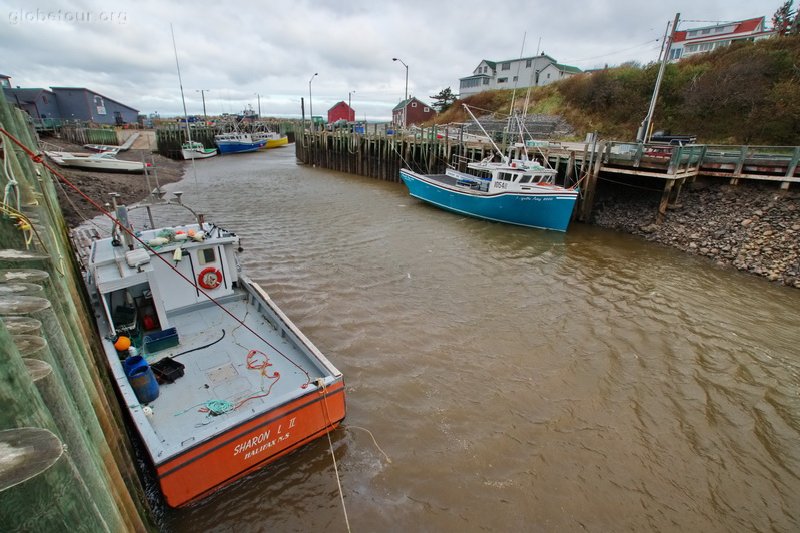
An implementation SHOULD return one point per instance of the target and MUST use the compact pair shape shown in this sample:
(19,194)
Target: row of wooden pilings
(65,460)
(169,138)
(428,151)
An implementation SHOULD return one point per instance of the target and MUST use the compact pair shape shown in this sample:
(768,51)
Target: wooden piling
(67,325)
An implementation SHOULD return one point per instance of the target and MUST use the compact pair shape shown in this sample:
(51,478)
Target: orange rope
(37,158)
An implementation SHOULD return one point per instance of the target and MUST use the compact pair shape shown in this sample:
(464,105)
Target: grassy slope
(747,93)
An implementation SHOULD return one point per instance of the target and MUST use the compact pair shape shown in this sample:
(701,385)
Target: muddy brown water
(517,380)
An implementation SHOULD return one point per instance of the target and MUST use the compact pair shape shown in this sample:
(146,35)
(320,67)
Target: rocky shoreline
(753,227)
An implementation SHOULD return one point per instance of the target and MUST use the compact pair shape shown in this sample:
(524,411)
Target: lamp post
(203,96)
(259,104)
(310,106)
(405,106)
(349,108)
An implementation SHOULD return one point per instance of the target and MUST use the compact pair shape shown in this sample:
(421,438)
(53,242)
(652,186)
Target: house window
(502,80)
(528,63)
(692,33)
(486,81)
(675,53)
(691,48)
(706,31)
(506,66)
(548,75)
(426,109)
(515,78)
(413,104)
(719,29)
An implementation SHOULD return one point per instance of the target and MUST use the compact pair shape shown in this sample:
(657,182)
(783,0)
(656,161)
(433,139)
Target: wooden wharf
(381,153)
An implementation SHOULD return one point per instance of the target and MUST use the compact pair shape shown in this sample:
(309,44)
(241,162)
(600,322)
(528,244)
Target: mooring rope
(326,414)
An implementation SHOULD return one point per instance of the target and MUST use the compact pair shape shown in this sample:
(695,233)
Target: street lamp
(405,102)
(203,96)
(350,109)
(310,106)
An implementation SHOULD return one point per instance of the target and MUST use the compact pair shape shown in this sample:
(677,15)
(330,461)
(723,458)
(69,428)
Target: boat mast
(643,135)
(183,99)
(180,83)
(514,93)
(503,156)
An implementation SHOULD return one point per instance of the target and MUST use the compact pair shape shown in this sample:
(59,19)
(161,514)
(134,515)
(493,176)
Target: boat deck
(217,353)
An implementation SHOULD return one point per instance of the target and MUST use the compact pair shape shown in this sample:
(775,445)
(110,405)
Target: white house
(693,41)
(514,73)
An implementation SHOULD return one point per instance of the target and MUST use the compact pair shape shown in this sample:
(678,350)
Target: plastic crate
(161,340)
(167,370)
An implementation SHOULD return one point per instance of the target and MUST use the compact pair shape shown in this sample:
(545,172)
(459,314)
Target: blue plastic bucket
(144,384)
(132,363)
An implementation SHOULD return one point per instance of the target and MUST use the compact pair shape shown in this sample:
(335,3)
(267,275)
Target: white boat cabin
(513,176)
(137,288)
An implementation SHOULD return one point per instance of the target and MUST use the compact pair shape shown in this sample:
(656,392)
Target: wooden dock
(381,153)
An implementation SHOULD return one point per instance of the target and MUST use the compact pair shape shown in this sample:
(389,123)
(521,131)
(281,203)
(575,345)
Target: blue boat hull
(239,147)
(535,210)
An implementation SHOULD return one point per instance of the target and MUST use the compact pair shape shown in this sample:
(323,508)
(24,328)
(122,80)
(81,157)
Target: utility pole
(643,135)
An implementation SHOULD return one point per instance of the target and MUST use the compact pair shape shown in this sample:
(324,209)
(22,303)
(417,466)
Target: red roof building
(704,39)
(412,111)
(341,111)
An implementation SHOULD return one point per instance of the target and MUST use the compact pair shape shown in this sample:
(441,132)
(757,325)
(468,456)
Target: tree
(785,20)
(443,100)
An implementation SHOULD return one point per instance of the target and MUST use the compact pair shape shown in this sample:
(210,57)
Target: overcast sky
(239,49)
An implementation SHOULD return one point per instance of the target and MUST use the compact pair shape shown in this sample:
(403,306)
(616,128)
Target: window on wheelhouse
(506,176)
(206,255)
(526,178)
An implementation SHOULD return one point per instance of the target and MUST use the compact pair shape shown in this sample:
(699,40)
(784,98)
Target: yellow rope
(325,412)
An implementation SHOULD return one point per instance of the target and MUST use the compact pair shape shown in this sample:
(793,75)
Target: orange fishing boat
(217,380)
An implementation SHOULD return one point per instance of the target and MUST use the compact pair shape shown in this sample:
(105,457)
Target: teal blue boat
(513,191)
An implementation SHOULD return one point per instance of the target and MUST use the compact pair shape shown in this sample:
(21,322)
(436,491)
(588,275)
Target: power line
(612,53)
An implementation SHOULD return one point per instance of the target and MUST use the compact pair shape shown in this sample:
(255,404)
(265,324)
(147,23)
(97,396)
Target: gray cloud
(238,49)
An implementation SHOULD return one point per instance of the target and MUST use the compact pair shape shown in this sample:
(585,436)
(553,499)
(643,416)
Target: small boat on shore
(196,150)
(217,380)
(273,139)
(237,142)
(102,162)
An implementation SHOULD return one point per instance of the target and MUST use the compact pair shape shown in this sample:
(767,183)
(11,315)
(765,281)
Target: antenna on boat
(183,99)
